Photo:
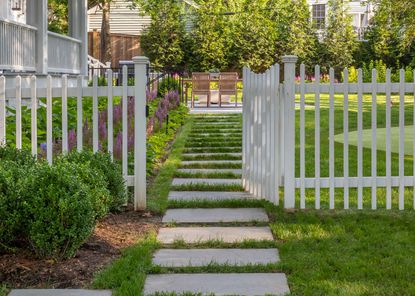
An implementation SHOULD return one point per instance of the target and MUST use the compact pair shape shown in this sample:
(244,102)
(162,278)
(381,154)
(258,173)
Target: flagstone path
(191,228)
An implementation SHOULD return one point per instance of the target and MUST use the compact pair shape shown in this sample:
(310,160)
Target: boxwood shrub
(111,171)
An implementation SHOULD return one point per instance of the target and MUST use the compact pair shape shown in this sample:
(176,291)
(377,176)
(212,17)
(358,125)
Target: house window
(319,15)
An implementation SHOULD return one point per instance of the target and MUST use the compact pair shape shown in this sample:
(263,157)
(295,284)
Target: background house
(127,24)
(361,14)
(27,47)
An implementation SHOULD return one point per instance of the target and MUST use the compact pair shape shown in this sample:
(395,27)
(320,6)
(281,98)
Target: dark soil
(111,235)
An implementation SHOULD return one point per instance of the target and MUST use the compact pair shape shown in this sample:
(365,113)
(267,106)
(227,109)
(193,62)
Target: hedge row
(53,209)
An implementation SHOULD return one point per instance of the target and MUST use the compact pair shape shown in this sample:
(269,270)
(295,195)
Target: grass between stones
(245,244)
(227,175)
(212,144)
(212,157)
(213,150)
(218,268)
(210,165)
(208,187)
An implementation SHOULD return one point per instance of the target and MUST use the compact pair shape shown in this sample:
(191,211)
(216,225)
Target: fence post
(289,132)
(140,122)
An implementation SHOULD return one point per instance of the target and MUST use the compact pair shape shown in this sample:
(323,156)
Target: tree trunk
(106,55)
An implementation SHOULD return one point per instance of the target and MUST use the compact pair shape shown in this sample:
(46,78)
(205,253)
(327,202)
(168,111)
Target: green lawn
(338,149)
(381,139)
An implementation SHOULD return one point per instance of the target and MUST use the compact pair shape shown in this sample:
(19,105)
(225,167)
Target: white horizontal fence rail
(34,98)
(17,46)
(329,174)
(64,54)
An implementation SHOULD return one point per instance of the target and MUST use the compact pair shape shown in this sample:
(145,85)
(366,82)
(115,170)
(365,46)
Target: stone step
(191,235)
(204,257)
(184,181)
(210,171)
(211,154)
(59,292)
(188,162)
(217,215)
(208,195)
(248,284)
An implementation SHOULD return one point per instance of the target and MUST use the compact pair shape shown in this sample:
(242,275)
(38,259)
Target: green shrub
(18,156)
(12,216)
(110,170)
(59,209)
(96,184)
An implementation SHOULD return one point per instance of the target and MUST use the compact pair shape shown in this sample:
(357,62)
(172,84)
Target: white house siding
(7,13)
(123,19)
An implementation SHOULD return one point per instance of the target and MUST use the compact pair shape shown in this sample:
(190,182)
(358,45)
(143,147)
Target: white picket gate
(269,143)
(18,94)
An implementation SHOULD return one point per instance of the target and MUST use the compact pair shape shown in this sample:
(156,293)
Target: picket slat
(95,145)
(346,137)
(413,143)
(252,135)
(64,114)
(125,121)
(79,108)
(110,110)
(244,132)
(374,139)
(401,138)
(302,136)
(49,128)
(331,140)
(360,140)
(388,142)
(2,110)
(19,112)
(33,97)
(268,137)
(317,138)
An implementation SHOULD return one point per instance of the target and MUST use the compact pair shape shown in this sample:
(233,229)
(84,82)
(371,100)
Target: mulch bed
(111,235)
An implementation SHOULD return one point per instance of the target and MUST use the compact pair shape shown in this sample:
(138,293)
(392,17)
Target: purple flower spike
(71,140)
(103,133)
(118,146)
(117,114)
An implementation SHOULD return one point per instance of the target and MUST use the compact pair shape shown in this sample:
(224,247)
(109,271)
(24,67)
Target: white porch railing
(78,93)
(17,46)
(270,143)
(63,54)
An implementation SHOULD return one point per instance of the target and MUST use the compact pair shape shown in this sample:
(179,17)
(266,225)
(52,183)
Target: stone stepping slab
(59,292)
(185,181)
(248,284)
(207,195)
(191,235)
(218,215)
(188,162)
(204,257)
(210,171)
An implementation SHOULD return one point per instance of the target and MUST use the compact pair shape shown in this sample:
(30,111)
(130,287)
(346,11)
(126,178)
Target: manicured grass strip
(212,144)
(213,150)
(245,244)
(208,165)
(208,187)
(212,157)
(211,204)
(126,275)
(228,175)
(216,138)
(3,290)
(218,268)
(159,190)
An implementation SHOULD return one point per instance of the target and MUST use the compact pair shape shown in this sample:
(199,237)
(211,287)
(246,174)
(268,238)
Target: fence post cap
(141,60)
(289,59)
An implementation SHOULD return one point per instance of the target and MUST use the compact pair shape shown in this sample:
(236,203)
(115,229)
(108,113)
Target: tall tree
(163,41)
(339,37)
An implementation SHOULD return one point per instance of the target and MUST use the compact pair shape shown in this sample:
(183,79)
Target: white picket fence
(17,95)
(269,143)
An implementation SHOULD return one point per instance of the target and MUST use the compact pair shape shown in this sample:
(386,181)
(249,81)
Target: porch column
(77,12)
(37,16)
